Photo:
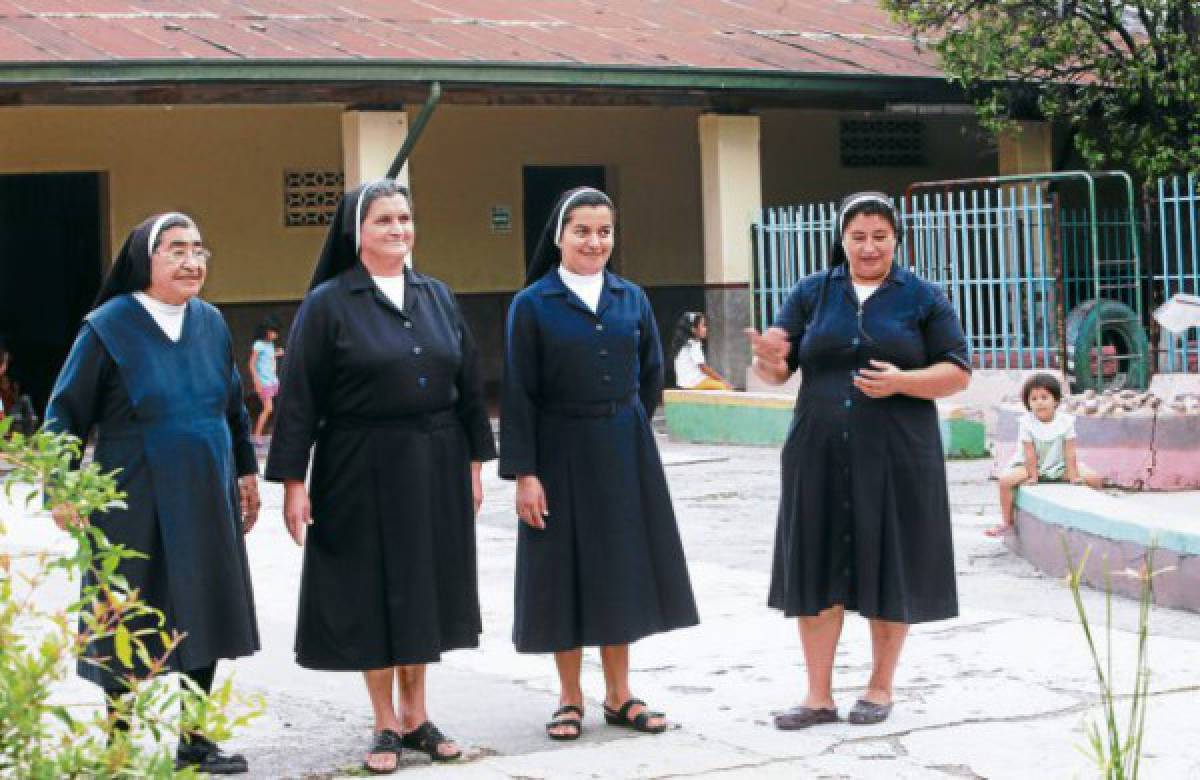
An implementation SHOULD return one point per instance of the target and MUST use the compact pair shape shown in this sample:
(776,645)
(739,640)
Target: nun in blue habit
(599,558)
(152,372)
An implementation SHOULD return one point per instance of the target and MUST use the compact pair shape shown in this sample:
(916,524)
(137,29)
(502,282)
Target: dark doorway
(51,256)
(542,186)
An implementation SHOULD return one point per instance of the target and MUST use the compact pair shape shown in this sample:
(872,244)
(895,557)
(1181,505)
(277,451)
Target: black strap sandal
(386,741)
(427,738)
(638,722)
(559,722)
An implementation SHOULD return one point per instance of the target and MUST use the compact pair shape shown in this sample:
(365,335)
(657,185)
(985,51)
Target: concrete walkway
(1003,691)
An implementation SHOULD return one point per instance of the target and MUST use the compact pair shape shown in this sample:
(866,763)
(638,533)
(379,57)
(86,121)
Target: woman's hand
(880,381)
(297,511)
(477,484)
(770,350)
(531,502)
(66,517)
(251,503)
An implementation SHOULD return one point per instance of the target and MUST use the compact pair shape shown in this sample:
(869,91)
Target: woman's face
(587,239)
(870,243)
(700,329)
(178,266)
(387,231)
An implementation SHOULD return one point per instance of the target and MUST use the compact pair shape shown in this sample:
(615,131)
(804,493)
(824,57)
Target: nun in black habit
(599,560)
(864,516)
(383,376)
(153,372)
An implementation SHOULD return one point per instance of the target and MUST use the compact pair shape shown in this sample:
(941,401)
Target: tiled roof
(844,37)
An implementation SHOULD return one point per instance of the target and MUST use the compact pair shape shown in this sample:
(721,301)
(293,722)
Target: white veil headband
(562,214)
(857,199)
(158,226)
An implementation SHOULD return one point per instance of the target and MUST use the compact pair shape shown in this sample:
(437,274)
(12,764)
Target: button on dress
(864,513)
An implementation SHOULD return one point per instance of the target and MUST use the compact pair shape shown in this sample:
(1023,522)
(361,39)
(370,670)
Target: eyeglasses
(180,254)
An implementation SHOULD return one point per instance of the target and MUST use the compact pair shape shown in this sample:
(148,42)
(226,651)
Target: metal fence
(1011,258)
(1176,268)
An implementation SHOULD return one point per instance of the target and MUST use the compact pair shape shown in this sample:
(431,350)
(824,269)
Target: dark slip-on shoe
(866,713)
(802,717)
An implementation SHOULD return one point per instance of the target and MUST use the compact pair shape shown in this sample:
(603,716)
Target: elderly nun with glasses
(864,517)
(153,373)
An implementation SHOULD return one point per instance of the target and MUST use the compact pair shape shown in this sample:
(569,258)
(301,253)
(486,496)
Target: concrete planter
(1146,451)
(762,419)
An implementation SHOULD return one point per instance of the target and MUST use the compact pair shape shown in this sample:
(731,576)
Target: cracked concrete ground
(1003,691)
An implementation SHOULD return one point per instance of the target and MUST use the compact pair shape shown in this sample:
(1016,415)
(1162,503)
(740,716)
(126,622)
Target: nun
(383,376)
(153,373)
(599,559)
(864,514)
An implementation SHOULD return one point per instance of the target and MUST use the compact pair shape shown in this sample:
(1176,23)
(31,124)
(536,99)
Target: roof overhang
(58,82)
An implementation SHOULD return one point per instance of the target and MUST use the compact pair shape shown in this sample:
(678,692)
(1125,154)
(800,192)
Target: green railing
(1015,255)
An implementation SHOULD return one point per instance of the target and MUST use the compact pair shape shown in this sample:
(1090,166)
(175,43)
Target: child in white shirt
(1045,448)
(687,346)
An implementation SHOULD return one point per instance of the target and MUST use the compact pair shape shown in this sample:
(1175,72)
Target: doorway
(542,184)
(52,250)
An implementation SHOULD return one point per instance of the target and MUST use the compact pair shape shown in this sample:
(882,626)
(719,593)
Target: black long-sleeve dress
(170,416)
(864,515)
(393,400)
(579,389)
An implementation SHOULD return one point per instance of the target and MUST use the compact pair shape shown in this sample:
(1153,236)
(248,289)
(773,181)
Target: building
(691,113)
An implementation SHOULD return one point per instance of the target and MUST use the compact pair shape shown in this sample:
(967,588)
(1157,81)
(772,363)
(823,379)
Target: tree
(1125,77)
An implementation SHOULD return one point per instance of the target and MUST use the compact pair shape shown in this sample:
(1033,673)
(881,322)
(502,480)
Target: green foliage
(1124,76)
(42,736)
(1115,747)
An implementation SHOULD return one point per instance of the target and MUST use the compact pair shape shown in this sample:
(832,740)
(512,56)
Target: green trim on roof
(128,72)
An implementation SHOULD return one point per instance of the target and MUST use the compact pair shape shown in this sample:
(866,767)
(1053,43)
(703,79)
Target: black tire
(1119,326)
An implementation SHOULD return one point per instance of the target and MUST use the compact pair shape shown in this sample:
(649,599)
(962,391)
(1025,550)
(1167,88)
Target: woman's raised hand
(531,502)
(297,511)
(770,349)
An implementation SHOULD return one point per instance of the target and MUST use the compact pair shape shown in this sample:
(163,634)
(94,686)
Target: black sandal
(386,741)
(637,722)
(559,722)
(427,738)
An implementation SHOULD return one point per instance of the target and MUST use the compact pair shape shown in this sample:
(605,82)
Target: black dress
(864,515)
(579,389)
(393,399)
(170,416)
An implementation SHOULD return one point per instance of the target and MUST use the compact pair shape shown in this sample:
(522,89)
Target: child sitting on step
(1045,448)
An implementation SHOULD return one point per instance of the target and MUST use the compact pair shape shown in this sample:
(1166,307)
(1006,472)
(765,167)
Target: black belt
(587,408)
(425,421)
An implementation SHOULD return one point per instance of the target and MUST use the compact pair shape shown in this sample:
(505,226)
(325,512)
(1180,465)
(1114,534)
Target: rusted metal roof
(836,37)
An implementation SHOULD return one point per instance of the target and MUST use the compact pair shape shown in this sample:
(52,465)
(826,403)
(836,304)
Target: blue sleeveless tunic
(170,416)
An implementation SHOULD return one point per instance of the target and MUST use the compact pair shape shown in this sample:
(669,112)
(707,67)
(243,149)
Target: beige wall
(223,165)
(470,158)
(801,161)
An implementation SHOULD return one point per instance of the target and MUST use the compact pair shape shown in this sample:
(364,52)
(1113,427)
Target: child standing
(687,345)
(263,356)
(1045,448)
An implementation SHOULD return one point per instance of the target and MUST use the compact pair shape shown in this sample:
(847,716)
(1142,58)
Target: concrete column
(1027,149)
(731,185)
(370,140)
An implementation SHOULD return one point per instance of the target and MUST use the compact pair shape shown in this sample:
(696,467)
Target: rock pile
(1125,403)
